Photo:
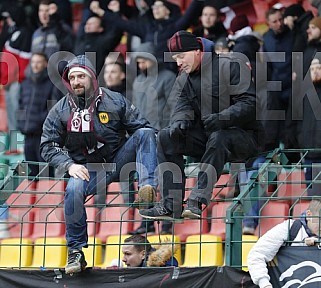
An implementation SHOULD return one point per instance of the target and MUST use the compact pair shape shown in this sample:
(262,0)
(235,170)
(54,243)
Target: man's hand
(179,127)
(95,8)
(212,123)
(79,171)
(268,286)
(53,8)
(310,241)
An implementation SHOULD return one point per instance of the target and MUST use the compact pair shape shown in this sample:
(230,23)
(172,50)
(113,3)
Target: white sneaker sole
(190,215)
(72,270)
(166,218)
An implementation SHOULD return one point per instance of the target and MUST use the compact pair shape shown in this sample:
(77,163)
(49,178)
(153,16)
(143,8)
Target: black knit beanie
(183,41)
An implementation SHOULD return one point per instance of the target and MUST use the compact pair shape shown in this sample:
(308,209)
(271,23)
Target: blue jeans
(139,153)
(252,210)
(12,103)
(311,173)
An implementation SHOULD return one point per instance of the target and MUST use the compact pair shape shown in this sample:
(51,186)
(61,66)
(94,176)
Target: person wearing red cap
(244,40)
(214,120)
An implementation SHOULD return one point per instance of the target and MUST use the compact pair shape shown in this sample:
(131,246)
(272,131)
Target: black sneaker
(76,261)
(143,230)
(158,212)
(193,209)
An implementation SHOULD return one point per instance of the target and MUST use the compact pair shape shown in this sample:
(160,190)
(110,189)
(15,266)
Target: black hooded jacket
(114,117)
(37,95)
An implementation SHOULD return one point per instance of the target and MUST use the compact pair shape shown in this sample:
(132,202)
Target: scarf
(80,125)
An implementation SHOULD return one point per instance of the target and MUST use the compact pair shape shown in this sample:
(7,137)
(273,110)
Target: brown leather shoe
(146,197)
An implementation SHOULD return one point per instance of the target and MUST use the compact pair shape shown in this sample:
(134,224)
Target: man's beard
(83,92)
(317,81)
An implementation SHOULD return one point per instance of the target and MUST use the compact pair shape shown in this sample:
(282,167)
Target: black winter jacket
(211,91)
(37,95)
(114,118)
(309,128)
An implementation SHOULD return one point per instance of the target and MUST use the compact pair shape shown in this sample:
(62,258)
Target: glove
(179,127)
(212,123)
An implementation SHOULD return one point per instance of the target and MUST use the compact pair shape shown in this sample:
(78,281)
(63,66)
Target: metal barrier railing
(236,196)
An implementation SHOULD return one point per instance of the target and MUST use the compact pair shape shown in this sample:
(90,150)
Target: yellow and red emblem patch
(103,117)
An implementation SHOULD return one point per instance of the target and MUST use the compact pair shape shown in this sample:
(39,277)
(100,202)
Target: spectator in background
(28,17)
(152,88)
(211,26)
(305,231)
(152,95)
(297,19)
(14,59)
(130,70)
(128,11)
(159,29)
(37,95)
(314,43)
(279,38)
(97,38)
(115,76)
(137,252)
(245,41)
(53,35)
(308,128)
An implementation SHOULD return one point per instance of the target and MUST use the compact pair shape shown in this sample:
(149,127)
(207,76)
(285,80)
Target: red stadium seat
(291,185)
(20,221)
(48,209)
(115,218)
(218,218)
(272,214)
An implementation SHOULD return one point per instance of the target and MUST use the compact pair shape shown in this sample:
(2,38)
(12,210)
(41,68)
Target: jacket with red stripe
(15,56)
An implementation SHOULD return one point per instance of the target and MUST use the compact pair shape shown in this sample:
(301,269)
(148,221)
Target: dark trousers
(214,150)
(32,153)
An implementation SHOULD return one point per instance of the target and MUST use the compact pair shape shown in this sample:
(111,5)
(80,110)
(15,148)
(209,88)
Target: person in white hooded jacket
(264,250)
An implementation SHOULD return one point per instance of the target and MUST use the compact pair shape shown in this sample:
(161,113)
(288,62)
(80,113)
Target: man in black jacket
(90,126)
(214,120)
(37,95)
(308,128)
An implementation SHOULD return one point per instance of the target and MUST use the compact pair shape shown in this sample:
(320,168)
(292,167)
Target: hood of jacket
(161,255)
(145,50)
(83,62)
(207,45)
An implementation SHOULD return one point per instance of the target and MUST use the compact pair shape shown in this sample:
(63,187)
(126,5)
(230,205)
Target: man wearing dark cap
(297,19)
(89,125)
(214,120)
